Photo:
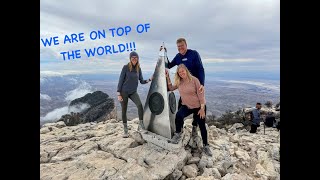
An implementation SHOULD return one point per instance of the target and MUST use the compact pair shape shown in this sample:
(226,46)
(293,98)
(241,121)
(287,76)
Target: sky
(230,35)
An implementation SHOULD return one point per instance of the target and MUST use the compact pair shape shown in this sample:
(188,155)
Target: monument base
(160,141)
(164,142)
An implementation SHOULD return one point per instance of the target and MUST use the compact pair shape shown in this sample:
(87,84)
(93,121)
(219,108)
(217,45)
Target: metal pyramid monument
(160,107)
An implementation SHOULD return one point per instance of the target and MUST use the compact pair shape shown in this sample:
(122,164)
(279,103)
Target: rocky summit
(96,150)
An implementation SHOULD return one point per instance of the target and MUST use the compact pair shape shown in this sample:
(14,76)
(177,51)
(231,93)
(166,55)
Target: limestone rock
(190,170)
(193,160)
(96,150)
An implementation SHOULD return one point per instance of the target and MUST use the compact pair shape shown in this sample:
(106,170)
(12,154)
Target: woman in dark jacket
(127,88)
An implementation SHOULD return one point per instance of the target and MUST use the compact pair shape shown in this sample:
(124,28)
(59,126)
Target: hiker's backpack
(251,115)
(247,116)
(270,119)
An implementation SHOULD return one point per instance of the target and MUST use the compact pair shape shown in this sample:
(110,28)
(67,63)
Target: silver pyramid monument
(161,106)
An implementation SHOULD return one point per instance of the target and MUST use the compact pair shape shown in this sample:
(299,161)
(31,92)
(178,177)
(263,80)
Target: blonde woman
(193,102)
(127,88)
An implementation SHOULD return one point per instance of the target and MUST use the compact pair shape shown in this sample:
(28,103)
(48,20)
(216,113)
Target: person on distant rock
(192,60)
(192,102)
(270,120)
(127,88)
(256,118)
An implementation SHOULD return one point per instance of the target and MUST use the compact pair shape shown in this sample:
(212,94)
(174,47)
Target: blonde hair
(177,78)
(137,66)
(181,40)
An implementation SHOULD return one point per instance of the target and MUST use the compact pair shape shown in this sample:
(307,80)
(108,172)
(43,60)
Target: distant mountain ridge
(99,107)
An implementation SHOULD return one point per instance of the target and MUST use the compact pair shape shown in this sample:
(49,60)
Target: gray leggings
(124,104)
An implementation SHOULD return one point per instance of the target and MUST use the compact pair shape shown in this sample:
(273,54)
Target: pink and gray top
(189,93)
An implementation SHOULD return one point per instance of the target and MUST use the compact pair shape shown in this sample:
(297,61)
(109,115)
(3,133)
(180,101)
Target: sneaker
(194,131)
(207,150)
(176,138)
(141,126)
(125,135)
(125,129)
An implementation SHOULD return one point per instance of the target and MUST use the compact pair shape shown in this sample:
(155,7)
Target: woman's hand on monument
(120,98)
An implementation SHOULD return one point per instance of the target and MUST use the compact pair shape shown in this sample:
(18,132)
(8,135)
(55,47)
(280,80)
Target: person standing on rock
(192,102)
(192,60)
(256,118)
(127,88)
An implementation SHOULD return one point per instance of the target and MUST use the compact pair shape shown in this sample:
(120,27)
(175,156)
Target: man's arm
(199,94)
(199,67)
(173,62)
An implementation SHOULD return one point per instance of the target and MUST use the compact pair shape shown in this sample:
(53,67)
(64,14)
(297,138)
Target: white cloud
(48,74)
(83,89)
(45,97)
(42,80)
(57,113)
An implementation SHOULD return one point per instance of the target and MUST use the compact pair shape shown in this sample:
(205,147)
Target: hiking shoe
(207,150)
(176,138)
(125,135)
(141,126)
(125,129)
(194,131)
